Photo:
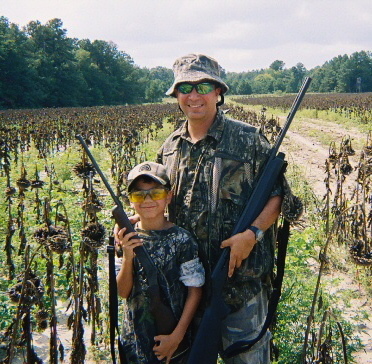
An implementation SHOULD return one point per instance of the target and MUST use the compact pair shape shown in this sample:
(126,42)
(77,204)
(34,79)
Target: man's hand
(241,246)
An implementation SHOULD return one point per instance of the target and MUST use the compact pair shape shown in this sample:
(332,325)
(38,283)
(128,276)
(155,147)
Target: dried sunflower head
(367,150)
(92,207)
(345,166)
(23,183)
(41,315)
(55,237)
(37,184)
(42,234)
(59,243)
(33,291)
(94,235)
(365,170)
(42,325)
(84,170)
(359,254)
(10,191)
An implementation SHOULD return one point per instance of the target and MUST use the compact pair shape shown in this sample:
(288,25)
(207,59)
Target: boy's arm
(124,279)
(169,343)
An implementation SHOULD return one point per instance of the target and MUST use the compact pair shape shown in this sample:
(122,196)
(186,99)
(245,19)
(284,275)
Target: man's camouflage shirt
(212,180)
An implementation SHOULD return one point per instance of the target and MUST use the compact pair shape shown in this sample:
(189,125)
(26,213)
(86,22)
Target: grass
(150,148)
(297,296)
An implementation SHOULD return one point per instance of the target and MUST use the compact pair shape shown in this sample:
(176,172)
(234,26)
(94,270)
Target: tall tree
(110,70)
(54,61)
(16,77)
(243,88)
(263,84)
(296,75)
(277,65)
(360,68)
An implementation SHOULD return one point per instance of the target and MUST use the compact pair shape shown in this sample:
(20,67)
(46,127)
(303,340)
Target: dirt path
(308,145)
(305,147)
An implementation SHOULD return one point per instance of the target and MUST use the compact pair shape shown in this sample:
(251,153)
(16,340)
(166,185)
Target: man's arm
(242,244)
(169,343)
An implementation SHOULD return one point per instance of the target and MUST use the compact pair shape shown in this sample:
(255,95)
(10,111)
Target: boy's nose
(148,196)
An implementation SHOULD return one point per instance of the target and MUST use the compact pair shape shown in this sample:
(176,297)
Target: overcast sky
(242,35)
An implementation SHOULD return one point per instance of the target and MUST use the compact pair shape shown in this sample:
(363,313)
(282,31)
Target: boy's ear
(169,196)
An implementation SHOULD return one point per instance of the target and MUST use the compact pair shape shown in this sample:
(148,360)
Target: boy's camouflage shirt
(212,181)
(175,253)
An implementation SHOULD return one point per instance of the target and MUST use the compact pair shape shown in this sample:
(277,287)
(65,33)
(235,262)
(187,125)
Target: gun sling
(113,306)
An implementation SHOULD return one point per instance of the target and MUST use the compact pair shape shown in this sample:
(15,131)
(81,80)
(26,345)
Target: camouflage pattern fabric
(212,181)
(196,68)
(245,325)
(175,253)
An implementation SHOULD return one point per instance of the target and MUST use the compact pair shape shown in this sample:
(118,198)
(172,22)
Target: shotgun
(162,313)
(208,337)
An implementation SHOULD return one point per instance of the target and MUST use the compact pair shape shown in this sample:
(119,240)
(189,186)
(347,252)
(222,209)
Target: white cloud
(241,34)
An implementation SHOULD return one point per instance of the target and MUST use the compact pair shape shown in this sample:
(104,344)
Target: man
(213,163)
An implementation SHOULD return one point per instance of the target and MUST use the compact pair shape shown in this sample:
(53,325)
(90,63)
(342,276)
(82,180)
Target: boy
(175,254)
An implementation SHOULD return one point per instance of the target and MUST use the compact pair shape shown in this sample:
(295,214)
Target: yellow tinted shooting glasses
(154,193)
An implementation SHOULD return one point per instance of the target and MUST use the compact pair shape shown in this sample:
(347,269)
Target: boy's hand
(126,242)
(165,346)
(133,219)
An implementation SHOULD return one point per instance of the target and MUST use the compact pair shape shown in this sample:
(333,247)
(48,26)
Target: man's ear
(222,101)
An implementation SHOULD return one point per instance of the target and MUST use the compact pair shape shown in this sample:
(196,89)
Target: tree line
(40,66)
(340,75)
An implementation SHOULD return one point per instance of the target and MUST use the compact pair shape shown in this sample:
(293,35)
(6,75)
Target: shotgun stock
(162,313)
(207,341)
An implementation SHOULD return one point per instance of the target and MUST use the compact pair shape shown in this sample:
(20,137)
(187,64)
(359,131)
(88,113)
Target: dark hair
(146,179)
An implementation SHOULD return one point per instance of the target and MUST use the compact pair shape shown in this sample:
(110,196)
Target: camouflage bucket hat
(195,68)
(154,170)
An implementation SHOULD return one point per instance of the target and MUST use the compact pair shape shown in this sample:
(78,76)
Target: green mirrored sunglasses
(202,88)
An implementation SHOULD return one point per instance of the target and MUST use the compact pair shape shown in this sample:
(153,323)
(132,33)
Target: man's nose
(193,93)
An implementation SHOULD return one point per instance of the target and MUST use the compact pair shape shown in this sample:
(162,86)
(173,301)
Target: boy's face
(149,208)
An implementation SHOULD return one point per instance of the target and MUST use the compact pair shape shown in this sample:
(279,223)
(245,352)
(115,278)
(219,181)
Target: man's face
(198,107)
